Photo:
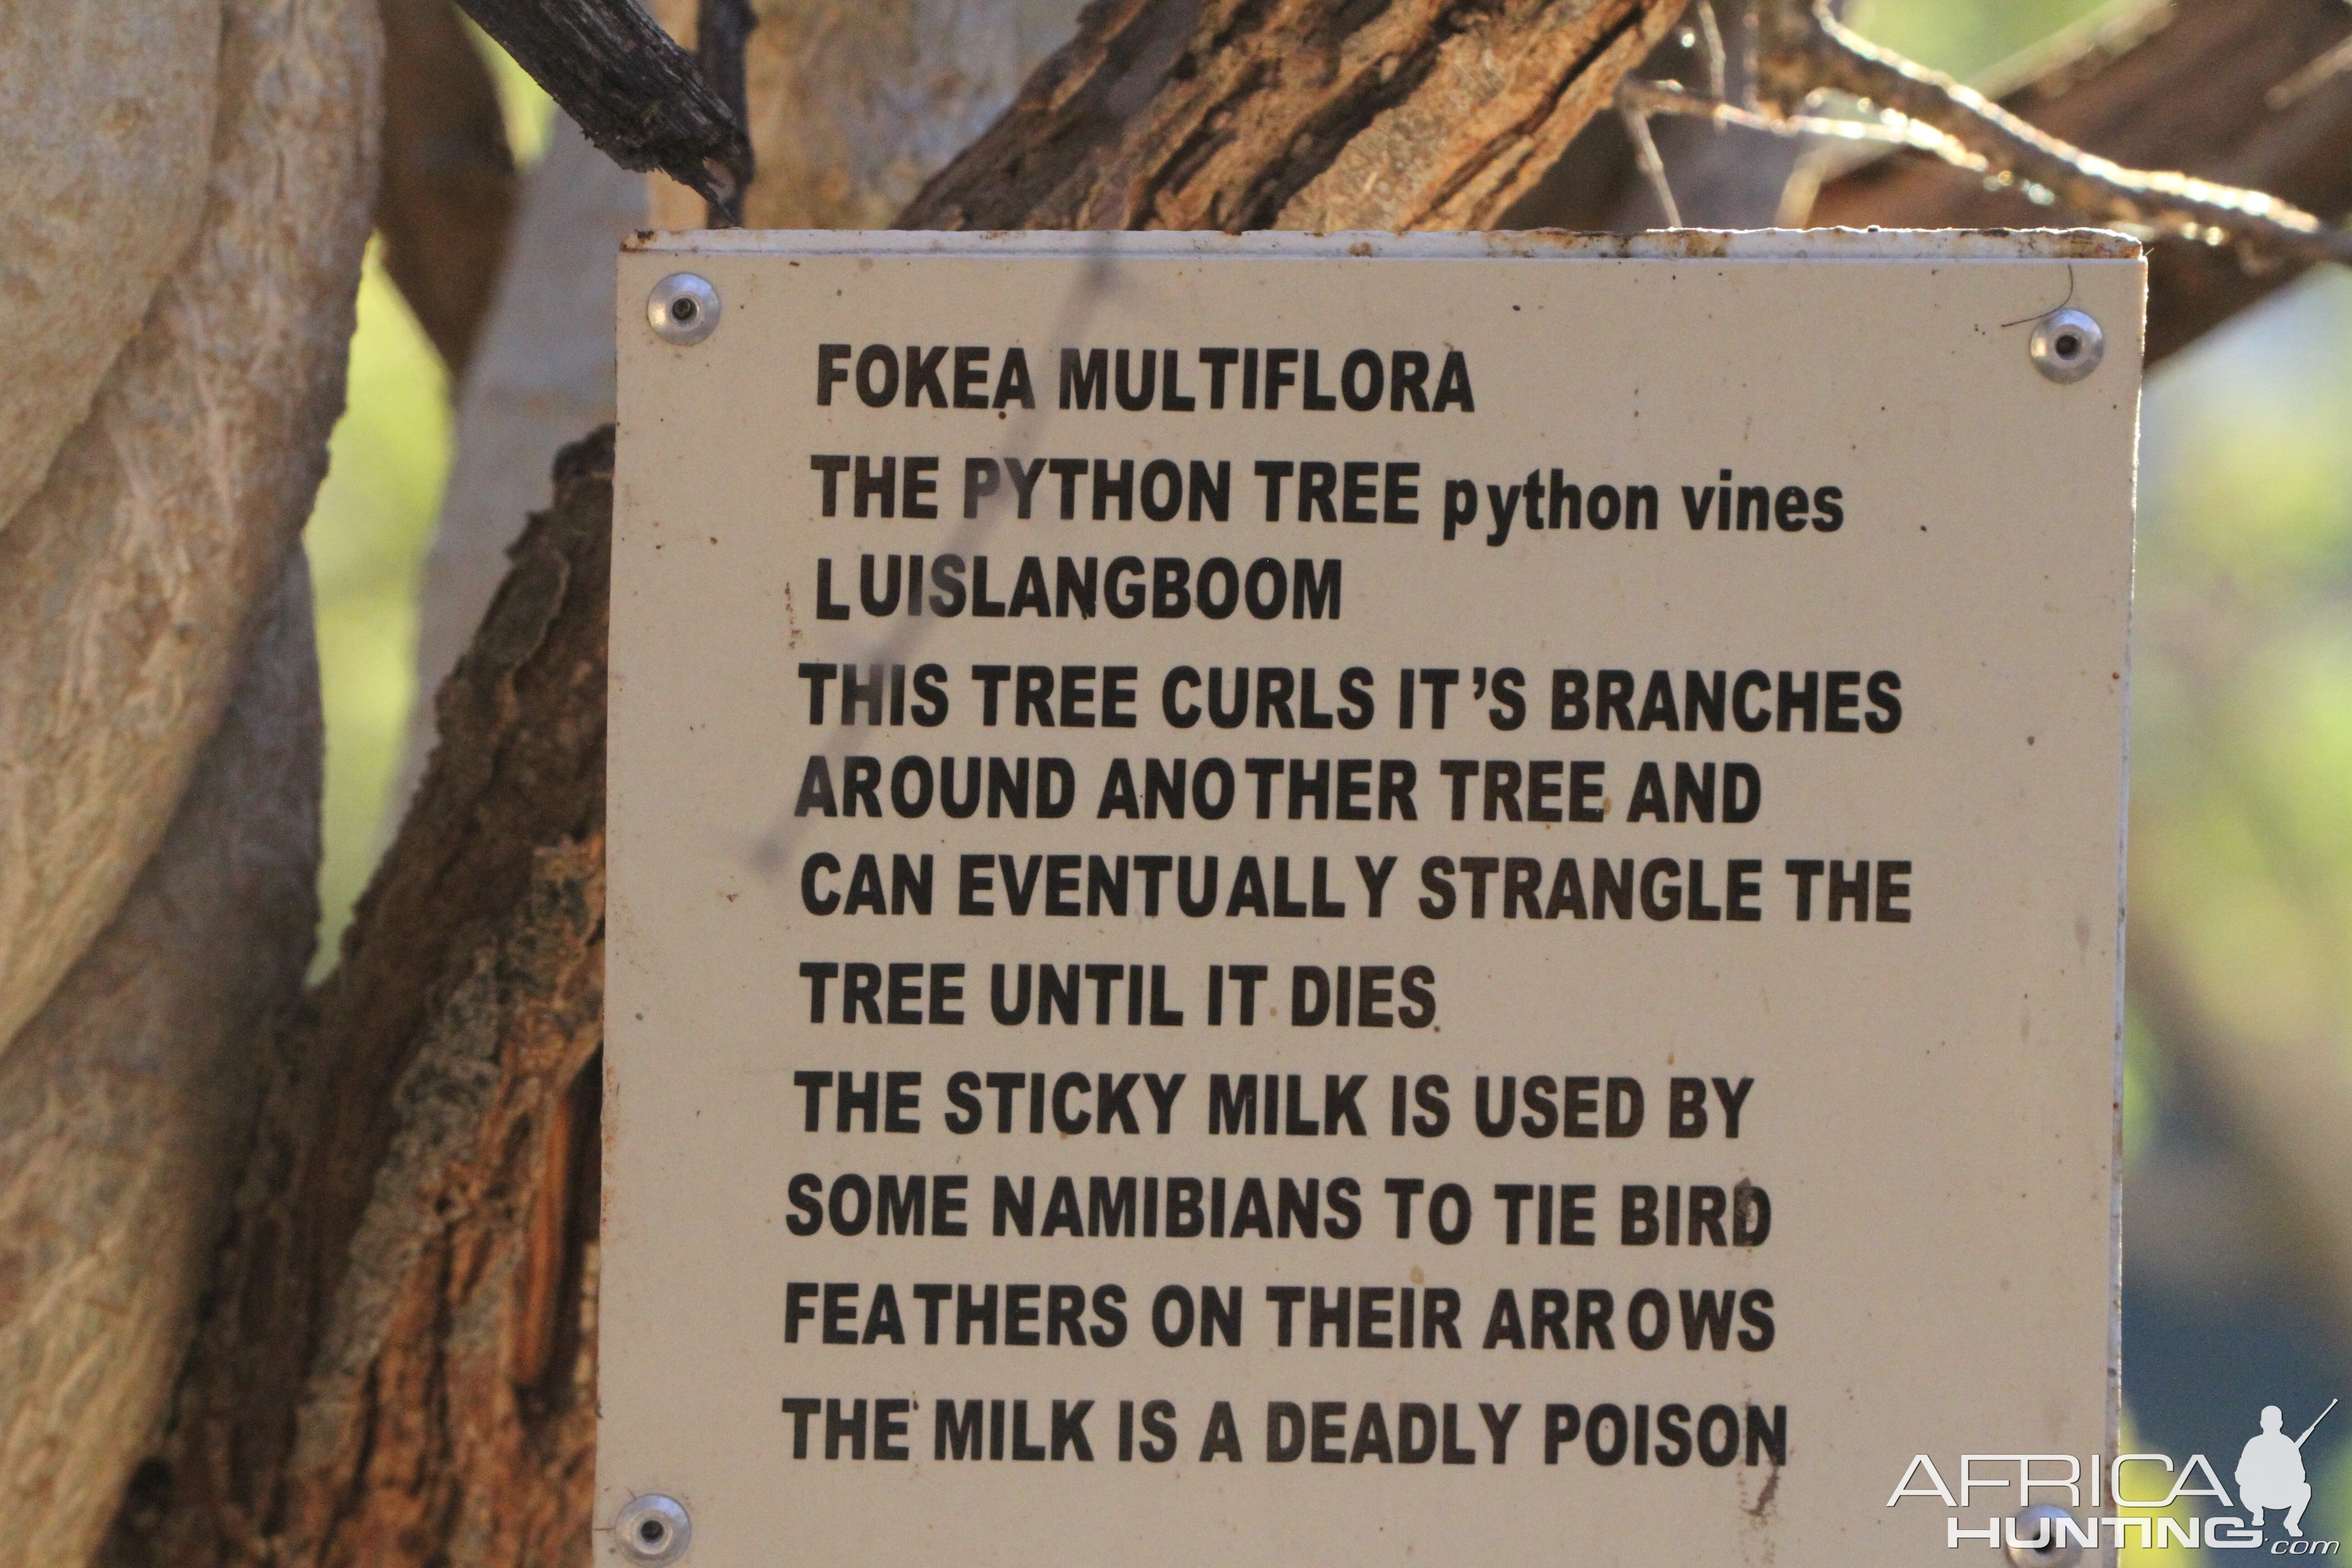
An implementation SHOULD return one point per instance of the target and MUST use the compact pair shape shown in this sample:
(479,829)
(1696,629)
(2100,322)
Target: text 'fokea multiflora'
(1347,487)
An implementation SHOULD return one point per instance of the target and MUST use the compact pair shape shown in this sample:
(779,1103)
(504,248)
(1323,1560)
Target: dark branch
(721,29)
(638,96)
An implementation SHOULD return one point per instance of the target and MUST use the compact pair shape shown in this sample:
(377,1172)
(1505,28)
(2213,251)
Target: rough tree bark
(397,1365)
(1296,114)
(2183,84)
(637,95)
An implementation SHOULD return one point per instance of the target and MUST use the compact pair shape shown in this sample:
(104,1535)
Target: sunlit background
(2241,785)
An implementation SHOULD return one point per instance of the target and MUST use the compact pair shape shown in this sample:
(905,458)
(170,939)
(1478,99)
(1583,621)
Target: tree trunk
(183,205)
(126,1104)
(131,580)
(398,1362)
(541,378)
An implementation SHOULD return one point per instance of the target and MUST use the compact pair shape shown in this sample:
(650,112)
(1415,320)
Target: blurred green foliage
(2242,831)
(2242,743)
(367,538)
(1967,38)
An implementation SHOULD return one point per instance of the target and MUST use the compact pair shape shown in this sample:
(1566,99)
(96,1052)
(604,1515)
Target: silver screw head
(2066,346)
(653,1530)
(2040,1523)
(683,309)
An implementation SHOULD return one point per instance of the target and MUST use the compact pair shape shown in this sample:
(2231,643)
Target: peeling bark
(639,97)
(1298,114)
(453,1397)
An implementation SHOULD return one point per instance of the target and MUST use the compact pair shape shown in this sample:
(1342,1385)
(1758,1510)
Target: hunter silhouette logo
(2270,1472)
(2059,1506)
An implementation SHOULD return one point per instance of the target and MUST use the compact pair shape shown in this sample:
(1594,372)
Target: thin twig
(1645,149)
(1710,34)
(1891,129)
(2310,78)
(1806,51)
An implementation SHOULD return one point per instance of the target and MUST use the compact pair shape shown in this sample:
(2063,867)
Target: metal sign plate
(1360,899)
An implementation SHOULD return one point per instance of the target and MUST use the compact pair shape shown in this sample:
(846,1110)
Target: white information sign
(1361,899)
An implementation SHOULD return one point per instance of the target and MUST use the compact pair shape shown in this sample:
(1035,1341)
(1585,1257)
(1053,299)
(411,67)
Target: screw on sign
(653,1530)
(682,309)
(2067,346)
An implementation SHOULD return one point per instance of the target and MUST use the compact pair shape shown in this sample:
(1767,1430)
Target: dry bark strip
(1249,114)
(638,96)
(392,1369)
(2185,85)
(449,185)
